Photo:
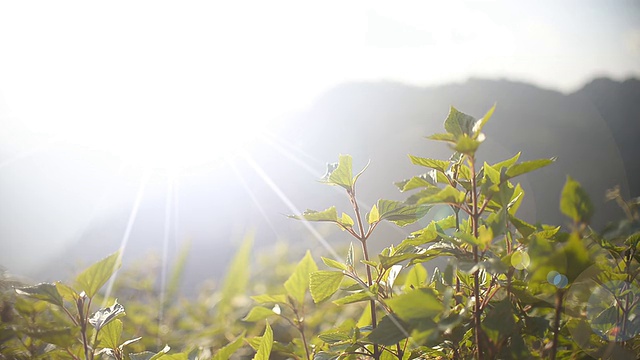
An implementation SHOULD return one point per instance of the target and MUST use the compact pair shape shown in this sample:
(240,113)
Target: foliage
(509,290)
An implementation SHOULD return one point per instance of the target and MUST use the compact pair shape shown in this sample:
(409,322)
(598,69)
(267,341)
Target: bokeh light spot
(520,260)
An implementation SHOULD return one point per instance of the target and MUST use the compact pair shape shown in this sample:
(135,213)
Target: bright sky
(166,83)
(98,71)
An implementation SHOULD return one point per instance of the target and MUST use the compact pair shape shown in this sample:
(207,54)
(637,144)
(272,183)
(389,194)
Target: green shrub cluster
(509,290)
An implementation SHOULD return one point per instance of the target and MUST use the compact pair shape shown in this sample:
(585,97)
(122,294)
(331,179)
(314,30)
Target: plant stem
(365,252)
(556,323)
(475,216)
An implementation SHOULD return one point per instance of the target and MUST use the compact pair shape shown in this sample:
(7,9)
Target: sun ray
(165,253)
(127,233)
(290,205)
(253,197)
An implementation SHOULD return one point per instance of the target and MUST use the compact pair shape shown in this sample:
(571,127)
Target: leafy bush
(509,290)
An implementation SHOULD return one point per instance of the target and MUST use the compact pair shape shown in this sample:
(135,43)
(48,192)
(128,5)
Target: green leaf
(298,283)
(146,355)
(62,337)
(499,323)
(390,331)
(346,220)
(353,298)
(340,174)
(225,352)
(522,226)
(416,278)
(400,213)
(44,291)
(93,278)
(374,215)
(440,165)
(333,263)
(575,202)
(526,167)
(467,145)
(442,137)
(105,315)
(237,279)
(351,257)
(428,180)
(479,124)
(448,195)
(264,351)
(67,293)
(258,313)
(506,163)
(270,299)
(416,304)
(109,336)
(323,284)
(329,214)
(458,123)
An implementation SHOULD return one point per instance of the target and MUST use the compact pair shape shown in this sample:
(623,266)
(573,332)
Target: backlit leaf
(329,214)
(93,278)
(340,174)
(258,313)
(105,315)
(416,304)
(323,284)
(400,213)
(298,283)
(43,291)
(526,167)
(440,165)
(109,335)
(266,344)
(226,351)
(575,202)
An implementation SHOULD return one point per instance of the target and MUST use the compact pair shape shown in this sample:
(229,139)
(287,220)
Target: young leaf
(479,124)
(340,174)
(329,214)
(225,352)
(109,336)
(458,123)
(105,315)
(416,277)
(351,257)
(416,304)
(346,220)
(374,215)
(264,351)
(448,195)
(146,355)
(270,299)
(467,145)
(323,284)
(298,283)
(400,213)
(43,291)
(334,264)
(93,278)
(527,166)
(390,331)
(353,298)
(440,165)
(258,313)
(575,202)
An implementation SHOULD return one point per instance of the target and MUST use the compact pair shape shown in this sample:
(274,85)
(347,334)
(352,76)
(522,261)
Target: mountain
(593,132)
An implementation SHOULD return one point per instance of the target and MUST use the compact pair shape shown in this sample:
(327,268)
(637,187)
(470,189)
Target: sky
(127,78)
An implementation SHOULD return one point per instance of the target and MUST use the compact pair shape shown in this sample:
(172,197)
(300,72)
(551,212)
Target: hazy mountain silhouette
(593,132)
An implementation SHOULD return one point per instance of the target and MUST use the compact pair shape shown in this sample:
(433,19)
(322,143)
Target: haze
(106,109)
